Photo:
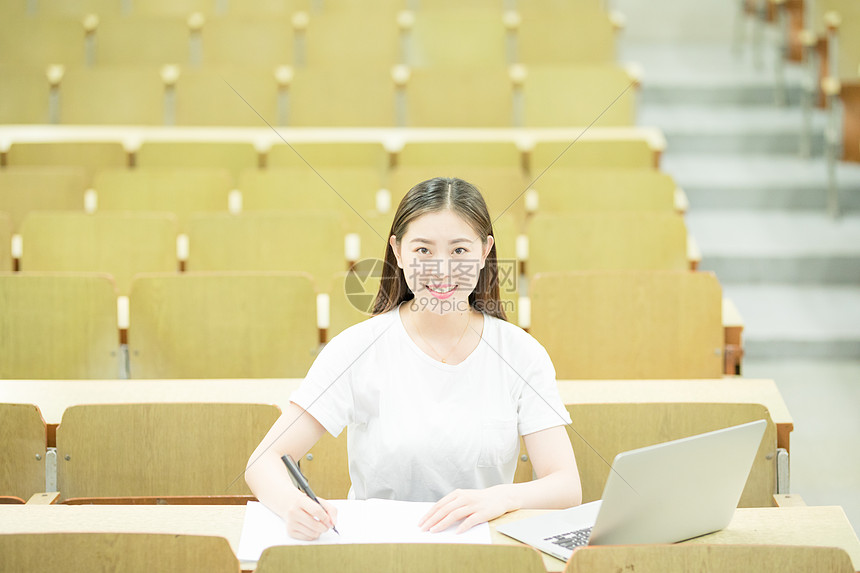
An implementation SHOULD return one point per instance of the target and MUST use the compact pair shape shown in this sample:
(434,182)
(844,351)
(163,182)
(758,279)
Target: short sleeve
(326,392)
(539,406)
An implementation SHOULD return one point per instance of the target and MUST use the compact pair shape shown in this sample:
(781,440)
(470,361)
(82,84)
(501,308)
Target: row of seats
(274,7)
(352,191)
(212,443)
(484,37)
(315,241)
(351,96)
(632,151)
(594,324)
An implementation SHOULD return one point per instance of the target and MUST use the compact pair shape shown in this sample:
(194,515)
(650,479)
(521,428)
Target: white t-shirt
(418,428)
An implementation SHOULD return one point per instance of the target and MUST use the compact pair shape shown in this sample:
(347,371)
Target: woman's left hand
(473,506)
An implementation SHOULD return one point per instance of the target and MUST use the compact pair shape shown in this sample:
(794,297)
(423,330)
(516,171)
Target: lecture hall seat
(710,558)
(120,244)
(127,552)
(176,190)
(48,307)
(161,449)
(222,325)
(419,557)
(629,324)
(23,436)
(310,241)
(40,188)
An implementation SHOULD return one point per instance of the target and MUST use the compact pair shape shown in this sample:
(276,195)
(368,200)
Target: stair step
(733,129)
(785,321)
(777,247)
(761,181)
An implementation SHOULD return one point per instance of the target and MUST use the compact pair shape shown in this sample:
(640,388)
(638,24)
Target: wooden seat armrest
(44,498)
(694,254)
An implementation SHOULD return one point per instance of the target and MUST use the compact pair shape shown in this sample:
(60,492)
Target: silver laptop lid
(677,490)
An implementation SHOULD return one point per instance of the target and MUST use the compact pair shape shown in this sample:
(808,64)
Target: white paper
(358,521)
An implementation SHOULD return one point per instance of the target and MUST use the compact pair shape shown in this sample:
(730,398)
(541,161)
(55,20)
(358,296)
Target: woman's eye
(423,250)
(460,251)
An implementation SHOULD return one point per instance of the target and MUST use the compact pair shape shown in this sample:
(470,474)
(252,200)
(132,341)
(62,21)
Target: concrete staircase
(758,209)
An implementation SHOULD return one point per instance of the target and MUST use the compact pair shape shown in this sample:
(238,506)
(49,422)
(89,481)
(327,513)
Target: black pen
(302,482)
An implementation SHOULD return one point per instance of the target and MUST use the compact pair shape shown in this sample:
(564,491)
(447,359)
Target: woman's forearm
(270,483)
(557,490)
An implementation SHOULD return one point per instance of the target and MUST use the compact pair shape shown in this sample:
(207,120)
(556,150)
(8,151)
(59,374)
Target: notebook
(664,493)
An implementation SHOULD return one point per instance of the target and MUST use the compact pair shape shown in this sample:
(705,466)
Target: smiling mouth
(441,289)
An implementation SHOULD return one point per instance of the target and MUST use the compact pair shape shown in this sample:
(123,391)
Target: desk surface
(54,396)
(823,526)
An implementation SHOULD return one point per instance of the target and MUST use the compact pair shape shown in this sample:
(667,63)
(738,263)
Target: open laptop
(664,493)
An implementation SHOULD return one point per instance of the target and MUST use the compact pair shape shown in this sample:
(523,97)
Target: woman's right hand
(307,520)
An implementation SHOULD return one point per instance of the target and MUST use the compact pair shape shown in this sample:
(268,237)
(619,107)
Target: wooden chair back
(343,96)
(64,325)
(91,156)
(417,557)
(329,156)
(144,40)
(222,325)
(599,432)
(206,96)
(40,188)
(48,41)
(248,41)
(565,95)
(461,37)
(710,559)
(607,241)
(459,97)
(629,324)
(23,439)
(232,156)
(589,153)
(343,190)
(580,33)
(163,449)
(587,190)
(120,95)
(120,552)
(29,101)
(335,38)
(181,191)
(119,244)
(301,241)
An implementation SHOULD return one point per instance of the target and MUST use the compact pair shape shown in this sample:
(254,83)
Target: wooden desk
(823,526)
(393,138)
(54,396)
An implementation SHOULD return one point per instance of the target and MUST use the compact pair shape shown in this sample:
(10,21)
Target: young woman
(436,387)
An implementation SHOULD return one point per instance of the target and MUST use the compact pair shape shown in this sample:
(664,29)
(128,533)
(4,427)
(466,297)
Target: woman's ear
(395,248)
(490,242)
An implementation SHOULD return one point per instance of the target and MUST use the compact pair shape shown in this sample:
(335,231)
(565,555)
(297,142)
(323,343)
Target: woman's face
(441,257)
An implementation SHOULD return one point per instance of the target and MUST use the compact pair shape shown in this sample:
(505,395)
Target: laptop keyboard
(571,539)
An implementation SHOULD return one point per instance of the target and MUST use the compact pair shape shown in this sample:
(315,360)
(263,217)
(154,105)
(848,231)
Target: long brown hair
(432,196)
